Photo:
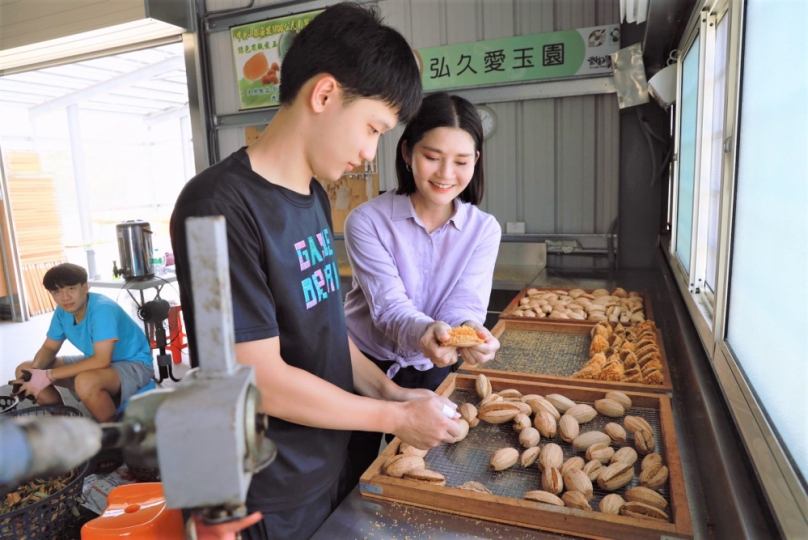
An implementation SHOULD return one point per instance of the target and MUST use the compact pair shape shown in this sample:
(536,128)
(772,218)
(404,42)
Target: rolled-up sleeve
(468,300)
(375,272)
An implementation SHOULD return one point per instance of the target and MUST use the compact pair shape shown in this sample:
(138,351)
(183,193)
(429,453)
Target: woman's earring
(407,165)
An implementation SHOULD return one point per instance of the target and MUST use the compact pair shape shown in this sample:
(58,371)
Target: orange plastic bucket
(136,512)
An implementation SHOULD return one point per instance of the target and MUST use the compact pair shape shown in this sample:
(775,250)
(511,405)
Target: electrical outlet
(515,227)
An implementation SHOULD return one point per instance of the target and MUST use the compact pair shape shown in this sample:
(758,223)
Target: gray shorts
(133,375)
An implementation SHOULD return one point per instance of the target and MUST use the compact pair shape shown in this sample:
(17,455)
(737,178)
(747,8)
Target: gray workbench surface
(361,518)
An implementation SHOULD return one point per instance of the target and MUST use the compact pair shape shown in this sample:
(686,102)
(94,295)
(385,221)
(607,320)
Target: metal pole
(8,225)
(80,179)
(210,288)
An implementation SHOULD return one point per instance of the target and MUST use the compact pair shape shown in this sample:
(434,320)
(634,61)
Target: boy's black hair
(64,275)
(367,58)
(442,110)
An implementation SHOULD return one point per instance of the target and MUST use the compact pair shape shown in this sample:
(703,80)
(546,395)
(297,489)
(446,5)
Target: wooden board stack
(37,224)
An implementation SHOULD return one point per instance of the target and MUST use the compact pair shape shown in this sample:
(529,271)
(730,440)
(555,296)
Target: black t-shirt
(285,282)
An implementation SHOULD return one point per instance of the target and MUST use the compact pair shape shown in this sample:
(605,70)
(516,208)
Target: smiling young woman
(423,258)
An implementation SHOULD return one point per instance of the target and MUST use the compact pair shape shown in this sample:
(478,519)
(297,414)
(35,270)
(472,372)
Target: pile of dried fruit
(33,492)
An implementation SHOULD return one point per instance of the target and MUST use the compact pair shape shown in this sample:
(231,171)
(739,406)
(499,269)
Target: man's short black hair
(64,275)
(442,110)
(367,58)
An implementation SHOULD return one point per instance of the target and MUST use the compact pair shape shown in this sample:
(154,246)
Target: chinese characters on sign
(258,51)
(569,53)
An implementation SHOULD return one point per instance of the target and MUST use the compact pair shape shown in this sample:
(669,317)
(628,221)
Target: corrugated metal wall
(552,163)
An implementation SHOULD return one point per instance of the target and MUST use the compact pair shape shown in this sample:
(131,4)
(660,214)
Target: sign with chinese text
(258,50)
(569,53)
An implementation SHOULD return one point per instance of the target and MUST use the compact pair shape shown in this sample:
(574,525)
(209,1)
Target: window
(687,153)
(768,296)
(716,155)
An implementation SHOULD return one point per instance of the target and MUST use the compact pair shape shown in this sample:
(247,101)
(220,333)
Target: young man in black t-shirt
(346,80)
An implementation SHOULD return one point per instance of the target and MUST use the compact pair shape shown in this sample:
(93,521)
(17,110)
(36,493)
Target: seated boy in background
(116,360)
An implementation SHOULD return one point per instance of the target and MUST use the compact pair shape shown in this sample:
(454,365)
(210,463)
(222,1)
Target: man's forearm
(43,358)
(369,380)
(306,399)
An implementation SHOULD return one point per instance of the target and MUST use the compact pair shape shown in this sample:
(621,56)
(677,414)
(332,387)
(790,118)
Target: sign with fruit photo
(258,51)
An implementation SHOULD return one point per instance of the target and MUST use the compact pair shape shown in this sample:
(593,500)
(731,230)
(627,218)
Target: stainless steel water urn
(135,249)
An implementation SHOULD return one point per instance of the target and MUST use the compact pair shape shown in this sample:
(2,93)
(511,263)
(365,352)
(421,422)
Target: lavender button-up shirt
(405,278)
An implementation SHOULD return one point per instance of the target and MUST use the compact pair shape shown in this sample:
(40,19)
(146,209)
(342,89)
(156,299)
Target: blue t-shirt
(103,320)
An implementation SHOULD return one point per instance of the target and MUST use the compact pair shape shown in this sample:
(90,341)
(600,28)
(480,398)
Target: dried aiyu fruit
(497,412)
(625,455)
(409,450)
(551,457)
(646,496)
(576,499)
(611,504)
(475,486)
(615,476)
(552,481)
(398,466)
(425,475)
(577,480)
(529,437)
(539,404)
(464,430)
(546,424)
(600,452)
(644,441)
(650,459)
(582,412)
(583,441)
(561,403)
(529,456)
(568,428)
(635,423)
(609,407)
(503,458)
(520,422)
(645,511)
(483,386)
(543,497)
(621,398)
(468,412)
(575,462)
(654,477)
(593,469)
(615,432)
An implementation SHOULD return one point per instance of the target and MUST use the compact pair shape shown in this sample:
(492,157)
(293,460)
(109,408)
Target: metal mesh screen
(541,353)
(468,459)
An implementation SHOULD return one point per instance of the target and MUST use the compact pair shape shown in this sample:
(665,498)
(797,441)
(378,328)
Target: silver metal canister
(135,249)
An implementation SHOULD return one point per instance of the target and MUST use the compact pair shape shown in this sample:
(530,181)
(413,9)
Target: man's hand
(224,531)
(33,381)
(484,352)
(435,334)
(423,424)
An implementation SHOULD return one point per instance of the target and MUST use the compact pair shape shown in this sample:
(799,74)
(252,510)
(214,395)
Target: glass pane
(687,153)
(768,303)
(717,154)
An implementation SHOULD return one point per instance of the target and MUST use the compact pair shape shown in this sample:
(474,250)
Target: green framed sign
(258,51)
(569,53)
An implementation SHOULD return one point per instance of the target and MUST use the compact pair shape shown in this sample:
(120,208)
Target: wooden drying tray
(521,512)
(649,312)
(521,366)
